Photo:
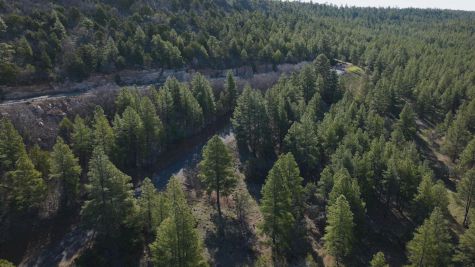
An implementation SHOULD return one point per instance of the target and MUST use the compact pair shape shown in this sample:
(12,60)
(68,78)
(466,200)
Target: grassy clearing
(354,70)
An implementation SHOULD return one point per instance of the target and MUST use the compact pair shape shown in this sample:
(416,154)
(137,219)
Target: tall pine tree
(339,236)
(216,170)
(178,243)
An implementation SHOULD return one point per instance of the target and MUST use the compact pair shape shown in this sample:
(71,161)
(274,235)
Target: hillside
(235,133)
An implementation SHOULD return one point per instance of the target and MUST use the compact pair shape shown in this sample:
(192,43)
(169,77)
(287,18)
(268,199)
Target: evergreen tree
(430,195)
(41,159)
(467,158)
(153,131)
(431,245)
(65,129)
(466,193)
(339,236)
(347,186)
(466,247)
(216,169)
(302,141)
(82,140)
(250,123)
(203,93)
(110,203)
(11,146)
(103,135)
(315,108)
(128,131)
(407,122)
(282,200)
(154,206)
(178,243)
(228,98)
(308,82)
(25,189)
(456,138)
(66,170)
(378,260)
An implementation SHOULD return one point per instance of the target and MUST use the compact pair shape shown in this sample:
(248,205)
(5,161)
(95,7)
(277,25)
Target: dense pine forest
(364,156)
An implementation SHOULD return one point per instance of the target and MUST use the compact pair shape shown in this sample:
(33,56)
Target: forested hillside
(363,157)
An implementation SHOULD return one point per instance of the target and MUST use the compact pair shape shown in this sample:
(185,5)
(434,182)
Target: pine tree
(467,158)
(456,138)
(407,122)
(66,170)
(279,122)
(251,123)
(154,206)
(11,146)
(339,236)
(65,129)
(347,186)
(379,260)
(178,243)
(216,170)
(282,200)
(315,108)
(430,195)
(302,141)
(308,81)
(41,159)
(25,189)
(228,97)
(128,131)
(203,93)
(82,140)
(153,131)
(110,203)
(466,193)
(466,247)
(431,245)
(103,135)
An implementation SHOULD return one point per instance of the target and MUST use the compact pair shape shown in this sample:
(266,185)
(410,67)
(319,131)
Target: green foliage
(41,159)
(378,260)
(5,263)
(431,245)
(216,169)
(466,193)
(339,236)
(110,203)
(128,131)
(302,141)
(282,200)
(203,93)
(154,206)
(66,170)
(26,188)
(178,243)
(466,247)
(82,140)
(153,131)
(180,112)
(407,122)
(348,187)
(430,195)
(11,146)
(228,97)
(103,135)
(467,158)
(250,123)
(65,129)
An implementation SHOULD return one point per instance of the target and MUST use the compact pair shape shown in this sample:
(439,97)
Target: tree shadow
(441,170)
(232,244)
